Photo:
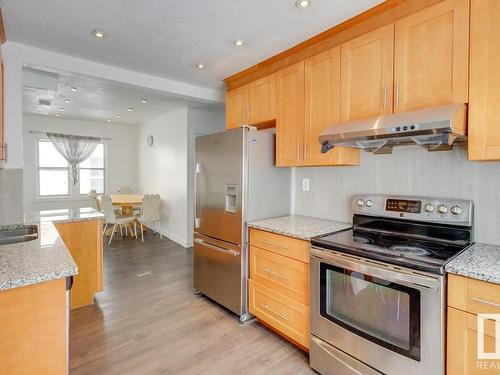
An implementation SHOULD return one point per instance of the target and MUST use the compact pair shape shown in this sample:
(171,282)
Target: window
(91,172)
(53,171)
(54,174)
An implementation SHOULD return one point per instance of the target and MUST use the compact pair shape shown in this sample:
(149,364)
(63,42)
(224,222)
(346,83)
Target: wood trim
(2,30)
(373,18)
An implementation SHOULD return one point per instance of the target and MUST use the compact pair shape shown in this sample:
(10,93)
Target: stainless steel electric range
(378,289)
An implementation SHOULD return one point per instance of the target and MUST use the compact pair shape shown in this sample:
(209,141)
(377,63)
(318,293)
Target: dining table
(127,203)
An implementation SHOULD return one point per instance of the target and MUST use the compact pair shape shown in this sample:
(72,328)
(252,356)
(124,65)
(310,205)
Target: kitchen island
(35,277)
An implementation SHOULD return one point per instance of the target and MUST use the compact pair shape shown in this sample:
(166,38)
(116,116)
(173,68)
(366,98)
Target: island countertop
(297,226)
(480,261)
(45,258)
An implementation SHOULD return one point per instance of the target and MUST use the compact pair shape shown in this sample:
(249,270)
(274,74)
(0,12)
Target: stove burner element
(410,250)
(362,240)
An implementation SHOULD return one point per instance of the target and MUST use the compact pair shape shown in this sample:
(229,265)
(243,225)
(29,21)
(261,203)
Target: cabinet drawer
(473,296)
(282,274)
(285,315)
(283,245)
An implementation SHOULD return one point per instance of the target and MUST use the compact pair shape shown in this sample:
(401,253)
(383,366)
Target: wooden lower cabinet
(281,313)
(84,242)
(279,284)
(33,336)
(466,299)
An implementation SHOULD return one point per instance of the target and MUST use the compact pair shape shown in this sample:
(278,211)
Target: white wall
(162,169)
(120,157)
(167,167)
(407,171)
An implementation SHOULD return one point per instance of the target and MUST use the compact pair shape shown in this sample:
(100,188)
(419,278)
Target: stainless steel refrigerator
(236,182)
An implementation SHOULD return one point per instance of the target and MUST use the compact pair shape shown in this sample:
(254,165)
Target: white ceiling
(168,37)
(96,99)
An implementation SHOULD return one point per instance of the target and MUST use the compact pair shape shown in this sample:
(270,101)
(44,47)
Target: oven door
(388,318)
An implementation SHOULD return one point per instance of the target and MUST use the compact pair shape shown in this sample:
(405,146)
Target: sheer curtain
(75,149)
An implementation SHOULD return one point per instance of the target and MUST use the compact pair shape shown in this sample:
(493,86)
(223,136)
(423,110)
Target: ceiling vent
(44,103)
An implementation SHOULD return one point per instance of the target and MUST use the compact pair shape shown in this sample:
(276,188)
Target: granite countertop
(45,258)
(302,227)
(480,261)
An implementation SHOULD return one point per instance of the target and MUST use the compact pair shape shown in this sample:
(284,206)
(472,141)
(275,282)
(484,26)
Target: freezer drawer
(217,271)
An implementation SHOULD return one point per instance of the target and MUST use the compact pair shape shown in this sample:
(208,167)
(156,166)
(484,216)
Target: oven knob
(442,209)
(456,210)
(369,203)
(429,207)
(360,202)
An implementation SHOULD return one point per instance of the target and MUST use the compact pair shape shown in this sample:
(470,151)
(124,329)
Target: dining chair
(150,213)
(125,190)
(114,219)
(93,200)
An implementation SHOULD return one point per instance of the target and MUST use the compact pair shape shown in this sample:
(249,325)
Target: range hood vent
(433,129)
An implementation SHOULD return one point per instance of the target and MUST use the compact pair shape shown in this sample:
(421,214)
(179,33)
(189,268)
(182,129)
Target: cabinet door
(290,116)
(236,107)
(262,100)
(462,345)
(484,96)
(322,109)
(366,74)
(431,57)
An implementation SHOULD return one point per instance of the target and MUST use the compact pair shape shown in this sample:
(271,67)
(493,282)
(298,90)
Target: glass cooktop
(411,252)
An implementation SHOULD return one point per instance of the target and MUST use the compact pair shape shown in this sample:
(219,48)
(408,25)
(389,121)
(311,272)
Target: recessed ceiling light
(130,109)
(302,3)
(118,116)
(200,66)
(58,115)
(66,100)
(61,109)
(108,120)
(74,89)
(238,42)
(98,34)
(144,101)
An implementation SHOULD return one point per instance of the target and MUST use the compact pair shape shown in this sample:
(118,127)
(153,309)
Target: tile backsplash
(11,196)
(408,171)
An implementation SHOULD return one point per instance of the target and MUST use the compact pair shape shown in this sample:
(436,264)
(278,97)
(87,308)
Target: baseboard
(181,241)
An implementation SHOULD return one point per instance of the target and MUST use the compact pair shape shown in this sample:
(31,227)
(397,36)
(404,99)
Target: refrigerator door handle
(217,248)
(197,171)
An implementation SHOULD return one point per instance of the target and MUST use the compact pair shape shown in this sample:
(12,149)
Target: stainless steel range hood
(434,129)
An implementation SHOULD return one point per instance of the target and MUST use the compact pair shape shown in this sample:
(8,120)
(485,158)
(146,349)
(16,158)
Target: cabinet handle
(385,97)
(396,101)
(282,316)
(271,272)
(485,302)
(305,151)
(298,151)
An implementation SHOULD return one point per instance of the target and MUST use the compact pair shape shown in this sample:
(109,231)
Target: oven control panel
(428,209)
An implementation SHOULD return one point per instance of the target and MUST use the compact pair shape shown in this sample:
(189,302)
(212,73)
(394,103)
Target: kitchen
(347,215)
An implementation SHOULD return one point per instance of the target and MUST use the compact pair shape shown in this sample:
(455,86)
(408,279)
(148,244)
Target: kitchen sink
(18,233)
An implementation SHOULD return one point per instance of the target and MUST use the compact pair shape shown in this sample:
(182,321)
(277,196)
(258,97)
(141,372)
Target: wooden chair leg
(135,229)
(112,234)
(142,233)
(121,230)
(104,231)
(126,230)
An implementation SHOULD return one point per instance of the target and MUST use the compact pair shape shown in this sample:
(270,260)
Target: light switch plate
(305,184)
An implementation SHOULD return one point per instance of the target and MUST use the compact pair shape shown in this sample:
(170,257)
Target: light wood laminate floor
(148,321)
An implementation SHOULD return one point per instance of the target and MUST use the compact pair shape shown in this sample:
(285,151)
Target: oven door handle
(373,268)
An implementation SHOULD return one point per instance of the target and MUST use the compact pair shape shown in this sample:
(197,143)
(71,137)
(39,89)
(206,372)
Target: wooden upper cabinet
(484,95)
(322,109)
(262,100)
(290,116)
(366,75)
(431,57)
(236,107)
